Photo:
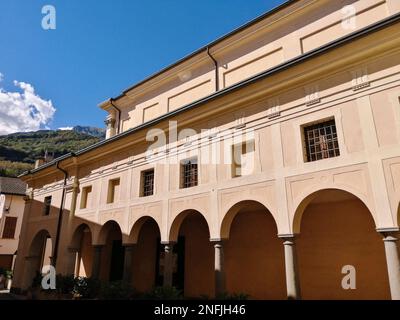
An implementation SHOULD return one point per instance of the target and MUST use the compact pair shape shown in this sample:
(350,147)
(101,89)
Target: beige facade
(14,209)
(278,225)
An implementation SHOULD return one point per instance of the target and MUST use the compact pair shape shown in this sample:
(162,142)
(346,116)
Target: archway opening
(254,258)
(82,251)
(193,255)
(113,253)
(40,255)
(340,254)
(146,269)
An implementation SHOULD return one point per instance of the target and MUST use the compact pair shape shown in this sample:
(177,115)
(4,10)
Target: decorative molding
(312,95)
(274,108)
(240,120)
(360,79)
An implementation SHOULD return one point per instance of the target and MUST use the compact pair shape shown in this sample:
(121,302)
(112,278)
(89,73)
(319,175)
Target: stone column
(390,239)
(292,273)
(97,249)
(168,264)
(128,263)
(219,270)
(71,267)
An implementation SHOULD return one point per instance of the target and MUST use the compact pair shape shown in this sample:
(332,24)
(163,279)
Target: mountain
(18,151)
(91,131)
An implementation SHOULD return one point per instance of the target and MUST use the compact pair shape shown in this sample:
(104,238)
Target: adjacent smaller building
(12,193)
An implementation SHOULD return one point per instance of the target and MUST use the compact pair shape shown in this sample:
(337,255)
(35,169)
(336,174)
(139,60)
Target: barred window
(321,141)
(9,227)
(47,205)
(189,173)
(147,183)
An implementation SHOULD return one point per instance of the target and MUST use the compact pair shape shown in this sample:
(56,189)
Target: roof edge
(293,62)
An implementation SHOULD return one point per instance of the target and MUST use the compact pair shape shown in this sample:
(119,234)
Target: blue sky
(100,48)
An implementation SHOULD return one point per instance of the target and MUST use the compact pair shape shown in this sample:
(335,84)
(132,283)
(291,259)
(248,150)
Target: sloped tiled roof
(12,186)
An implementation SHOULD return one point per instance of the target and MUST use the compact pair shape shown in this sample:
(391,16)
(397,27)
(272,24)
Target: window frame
(183,164)
(86,190)
(243,150)
(47,205)
(143,181)
(322,124)
(6,227)
(111,189)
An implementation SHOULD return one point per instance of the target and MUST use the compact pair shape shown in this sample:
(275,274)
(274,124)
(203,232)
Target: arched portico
(336,233)
(253,255)
(81,251)
(39,255)
(108,260)
(191,257)
(142,255)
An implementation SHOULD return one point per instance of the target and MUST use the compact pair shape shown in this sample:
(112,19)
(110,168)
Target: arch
(39,254)
(176,224)
(338,230)
(137,227)
(253,255)
(105,229)
(302,204)
(233,211)
(37,243)
(77,235)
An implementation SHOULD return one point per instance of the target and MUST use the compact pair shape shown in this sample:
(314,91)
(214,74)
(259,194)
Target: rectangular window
(9,227)
(189,173)
(321,141)
(243,159)
(147,183)
(47,206)
(113,190)
(86,191)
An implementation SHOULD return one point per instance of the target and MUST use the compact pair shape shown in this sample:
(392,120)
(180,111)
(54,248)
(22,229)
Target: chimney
(39,162)
(46,158)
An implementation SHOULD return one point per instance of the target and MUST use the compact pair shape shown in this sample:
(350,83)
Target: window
(9,227)
(189,173)
(321,141)
(113,190)
(47,206)
(243,159)
(147,183)
(85,196)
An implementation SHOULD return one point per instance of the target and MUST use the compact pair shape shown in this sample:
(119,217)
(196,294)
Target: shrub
(87,288)
(164,293)
(116,290)
(65,284)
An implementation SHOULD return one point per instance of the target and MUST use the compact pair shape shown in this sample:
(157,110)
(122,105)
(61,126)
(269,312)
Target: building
(266,163)
(12,193)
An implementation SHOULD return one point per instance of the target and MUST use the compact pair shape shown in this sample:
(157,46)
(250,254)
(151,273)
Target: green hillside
(18,151)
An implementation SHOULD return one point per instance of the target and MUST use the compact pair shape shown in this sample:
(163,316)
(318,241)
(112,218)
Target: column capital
(168,243)
(129,246)
(217,242)
(72,249)
(288,239)
(389,234)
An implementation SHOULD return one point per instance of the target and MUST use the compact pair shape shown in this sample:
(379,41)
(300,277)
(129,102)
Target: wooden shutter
(9,227)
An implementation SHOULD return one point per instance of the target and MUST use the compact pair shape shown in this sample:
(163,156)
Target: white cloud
(24,111)
(66,128)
